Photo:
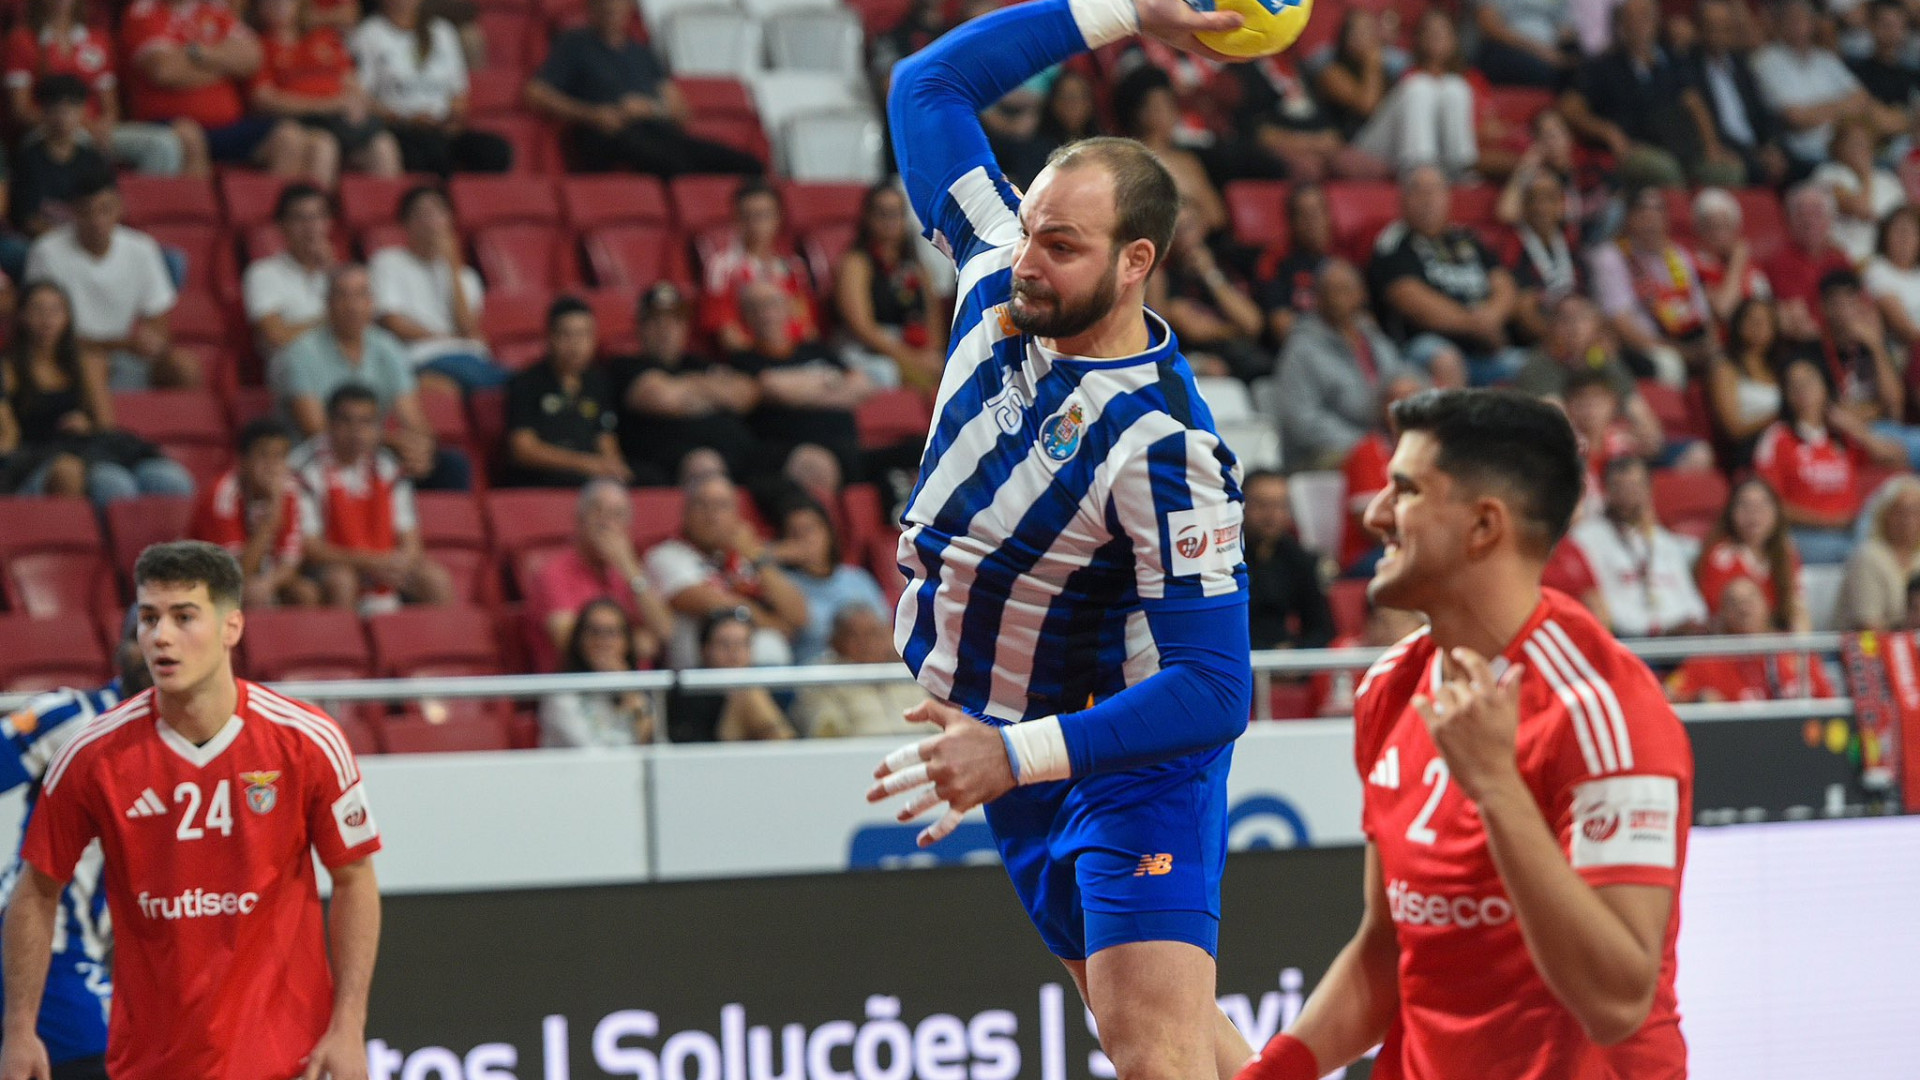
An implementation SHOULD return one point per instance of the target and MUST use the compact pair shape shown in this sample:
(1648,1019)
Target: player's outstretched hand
(1176,21)
(339,1055)
(1474,719)
(25,1058)
(964,766)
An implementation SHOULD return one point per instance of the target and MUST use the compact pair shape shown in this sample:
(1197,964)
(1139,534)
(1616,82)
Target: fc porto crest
(262,795)
(1060,435)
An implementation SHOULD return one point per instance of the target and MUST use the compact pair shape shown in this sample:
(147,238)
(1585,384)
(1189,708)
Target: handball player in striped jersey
(1076,602)
(1527,789)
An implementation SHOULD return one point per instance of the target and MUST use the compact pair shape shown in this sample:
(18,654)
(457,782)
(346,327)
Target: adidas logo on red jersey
(148,804)
(1386,771)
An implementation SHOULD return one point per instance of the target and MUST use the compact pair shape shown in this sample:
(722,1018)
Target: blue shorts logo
(1060,435)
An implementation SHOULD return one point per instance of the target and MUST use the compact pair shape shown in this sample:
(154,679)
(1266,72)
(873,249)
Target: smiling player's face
(184,635)
(1423,520)
(1065,265)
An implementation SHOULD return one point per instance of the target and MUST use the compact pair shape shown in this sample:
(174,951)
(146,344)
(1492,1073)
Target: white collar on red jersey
(200,755)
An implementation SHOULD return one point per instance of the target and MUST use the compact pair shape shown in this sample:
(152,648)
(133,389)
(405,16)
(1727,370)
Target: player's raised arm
(934,103)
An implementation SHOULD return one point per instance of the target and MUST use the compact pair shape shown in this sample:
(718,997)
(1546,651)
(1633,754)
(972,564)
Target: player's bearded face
(1043,311)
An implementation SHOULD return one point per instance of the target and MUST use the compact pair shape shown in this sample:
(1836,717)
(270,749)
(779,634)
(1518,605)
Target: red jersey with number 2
(1612,772)
(220,950)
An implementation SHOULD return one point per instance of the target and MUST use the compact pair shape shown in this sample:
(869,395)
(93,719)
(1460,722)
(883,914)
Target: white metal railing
(1266,664)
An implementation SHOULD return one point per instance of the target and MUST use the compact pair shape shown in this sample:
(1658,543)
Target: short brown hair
(192,562)
(1145,201)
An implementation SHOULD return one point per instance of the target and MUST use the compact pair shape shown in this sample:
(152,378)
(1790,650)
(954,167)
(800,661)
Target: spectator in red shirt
(1750,542)
(601,563)
(56,39)
(255,511)
(191,59)
(1809,255)
(753,255)
(1814,456)
(306,74)
(1748,678)
(362,529)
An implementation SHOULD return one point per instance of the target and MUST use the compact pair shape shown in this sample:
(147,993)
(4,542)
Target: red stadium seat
(524,518)
(810,206)
(880,16)
(418,640)
(739,132)
(515,325)
(614,309)
(377,237)
(716,96)
(449,727)
(634,257)
(135,524)
(892,417)
(701,202)
(1292,700)
(536,144)
(883,562)
(363,731)
(494,92)
(1669,405)
(1689,502)
(525,258)
(863,522)
(474,574)
(199,319)
(42,654)
(366,201)
(593,202)
(249,196)
(1348,599)
(511,38)
(66,584)
(656,516)
(250,403)
(487,408)
(1762,220)
(163,200)
(205,247)
(481,200)
(450,519)
(1473,204)
(446,414)
(1259,212)
(297,644)
(1516,106)
(39,523)
(172,416)
(1360,209)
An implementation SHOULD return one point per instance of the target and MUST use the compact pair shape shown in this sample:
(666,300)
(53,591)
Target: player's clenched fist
(964,766)
(1474,718)
(24,1057)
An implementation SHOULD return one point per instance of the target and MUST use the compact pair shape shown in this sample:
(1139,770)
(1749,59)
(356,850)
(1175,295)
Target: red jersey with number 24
(1612,772)
(220,952)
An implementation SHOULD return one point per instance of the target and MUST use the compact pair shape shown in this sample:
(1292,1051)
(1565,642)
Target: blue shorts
(237,141)
(1120,857)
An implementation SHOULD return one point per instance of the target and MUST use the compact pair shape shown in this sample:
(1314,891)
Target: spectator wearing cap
(561,420)
(255,511)
(46,169)
(286,293)
(1639,102)
(620,108)
(1795,270)
(673,401)
(192,59)
(1730,95)
(1808,87)
(121,288)
(429,298)
(1721,255)
(57,38)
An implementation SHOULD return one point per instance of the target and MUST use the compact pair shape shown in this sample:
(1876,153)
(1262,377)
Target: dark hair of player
(192,562)
(1145,202)
(1504,439)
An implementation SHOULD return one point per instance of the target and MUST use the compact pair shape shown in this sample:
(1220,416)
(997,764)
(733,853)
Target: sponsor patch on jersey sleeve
(354,817)
(1626,821)
(1203,539)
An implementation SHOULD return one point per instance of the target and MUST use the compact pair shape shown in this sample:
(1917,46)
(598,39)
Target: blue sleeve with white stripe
(933,109)
(36,733)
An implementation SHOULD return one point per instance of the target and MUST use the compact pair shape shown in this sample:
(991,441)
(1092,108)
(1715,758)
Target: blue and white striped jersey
(1059,497)
(73,1013)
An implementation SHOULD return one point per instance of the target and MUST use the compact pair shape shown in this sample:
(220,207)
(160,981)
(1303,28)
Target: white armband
(1103,22)
(1037,750)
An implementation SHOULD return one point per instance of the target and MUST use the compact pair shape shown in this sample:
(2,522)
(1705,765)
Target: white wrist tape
(1037,750)
(1103,22)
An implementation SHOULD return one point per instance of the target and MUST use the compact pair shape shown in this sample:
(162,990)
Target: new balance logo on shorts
(1386,771)
(147,805)
(1154,866)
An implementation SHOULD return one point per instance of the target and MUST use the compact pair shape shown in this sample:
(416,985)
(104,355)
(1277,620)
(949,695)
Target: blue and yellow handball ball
(1268,26)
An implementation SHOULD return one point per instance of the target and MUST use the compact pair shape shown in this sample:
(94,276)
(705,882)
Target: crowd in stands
(511,331)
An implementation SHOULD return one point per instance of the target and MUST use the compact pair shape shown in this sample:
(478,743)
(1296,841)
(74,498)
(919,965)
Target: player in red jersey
(1526,815)
(209,796)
